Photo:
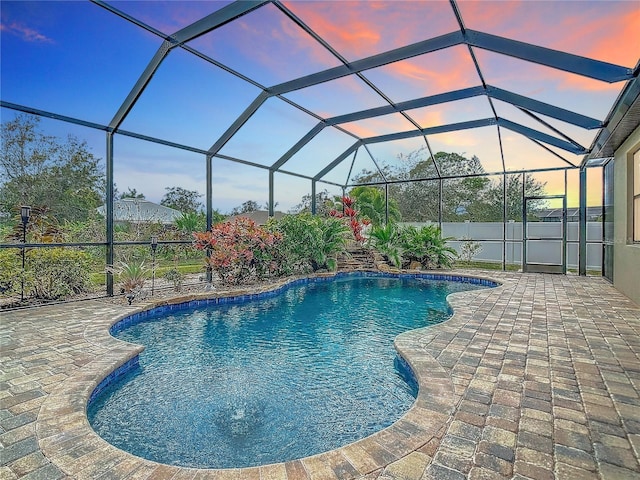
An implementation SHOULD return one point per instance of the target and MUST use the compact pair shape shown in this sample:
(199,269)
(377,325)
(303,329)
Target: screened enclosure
(481,117)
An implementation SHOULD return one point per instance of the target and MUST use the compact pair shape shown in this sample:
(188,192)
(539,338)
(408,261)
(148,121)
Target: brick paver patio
(538,378)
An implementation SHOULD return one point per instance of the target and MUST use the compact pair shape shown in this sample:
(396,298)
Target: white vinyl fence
(489,236)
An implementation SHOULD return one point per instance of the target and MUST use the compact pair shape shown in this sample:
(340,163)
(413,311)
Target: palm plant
(427,246)
(334,236)
(191,222)
(372,204)
(386,240)
(309,242)
(132,275)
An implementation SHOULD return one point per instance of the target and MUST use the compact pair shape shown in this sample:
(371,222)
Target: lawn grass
(487,265)
(186,267)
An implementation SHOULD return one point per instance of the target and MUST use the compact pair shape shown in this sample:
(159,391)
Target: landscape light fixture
(154,246)
(25,214)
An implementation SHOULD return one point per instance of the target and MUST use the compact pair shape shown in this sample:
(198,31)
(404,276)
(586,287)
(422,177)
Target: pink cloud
(616,37)
(376,126)
(603,30)
(25,33)
(267,46)
(361,29)
(428,117)
(536,80)
(429,74)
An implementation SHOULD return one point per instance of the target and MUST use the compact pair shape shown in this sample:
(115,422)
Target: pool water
(269,380)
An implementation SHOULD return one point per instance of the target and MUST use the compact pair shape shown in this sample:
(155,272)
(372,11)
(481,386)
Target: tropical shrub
(131,275)
(386,240)
(469,249)
(402,246)
(10,270)
(352,218)
(308,242)
(426,246)
(300,240)
(57,273)
(334,241)
(191,222)
(174,276)
(373,204)
(239,250)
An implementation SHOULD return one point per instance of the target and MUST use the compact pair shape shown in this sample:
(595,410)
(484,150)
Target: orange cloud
(266,46)
(604,30)
(340,26)
(374,127)
(455,139)
(361,29)
(489,16)
(608,31)
(436,72)
(428,117)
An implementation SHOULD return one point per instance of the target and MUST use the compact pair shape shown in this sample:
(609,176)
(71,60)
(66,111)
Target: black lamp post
(154,246)
(25,213)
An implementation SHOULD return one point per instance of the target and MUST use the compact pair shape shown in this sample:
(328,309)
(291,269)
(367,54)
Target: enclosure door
(545,234)
(607,221)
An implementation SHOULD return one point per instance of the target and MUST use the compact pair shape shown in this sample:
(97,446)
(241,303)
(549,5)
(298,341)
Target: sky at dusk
(77,59)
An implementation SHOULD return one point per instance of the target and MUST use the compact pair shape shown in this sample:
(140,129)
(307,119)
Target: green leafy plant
(386,240)
(58,273)
(427,246)
(131,275)
(10,271)
(333,242)
(469,249)
(401,246)
(309,243)
(300,241)
(173,275)
(372,204)
(191,222)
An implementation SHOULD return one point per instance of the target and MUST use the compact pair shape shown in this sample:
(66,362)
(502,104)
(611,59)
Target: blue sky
(77,59)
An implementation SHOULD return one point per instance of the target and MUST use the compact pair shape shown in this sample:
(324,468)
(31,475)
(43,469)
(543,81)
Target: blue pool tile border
(206,302)
(407,373)
(113,377)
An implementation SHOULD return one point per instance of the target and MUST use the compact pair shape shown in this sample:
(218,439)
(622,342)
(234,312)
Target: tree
(45,171)
(323,204)
(371,203)
(246,207)
(185,201)
(492,204)
(466,193)
(130,193)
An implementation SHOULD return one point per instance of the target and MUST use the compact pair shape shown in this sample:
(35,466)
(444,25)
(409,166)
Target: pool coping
(63,421)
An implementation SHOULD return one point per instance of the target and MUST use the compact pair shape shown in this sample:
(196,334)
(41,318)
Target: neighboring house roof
(593,213)
(139,210)
(260,217)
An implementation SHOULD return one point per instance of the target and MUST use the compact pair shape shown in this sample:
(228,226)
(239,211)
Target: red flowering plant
(239,251)
(353,218)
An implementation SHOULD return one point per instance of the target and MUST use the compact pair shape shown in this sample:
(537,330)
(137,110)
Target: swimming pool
(269,380)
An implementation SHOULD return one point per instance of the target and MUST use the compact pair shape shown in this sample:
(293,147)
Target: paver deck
(536,379)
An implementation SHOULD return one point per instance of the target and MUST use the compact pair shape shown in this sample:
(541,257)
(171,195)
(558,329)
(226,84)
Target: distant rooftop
(260,217)
(139,210)
(555,214)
